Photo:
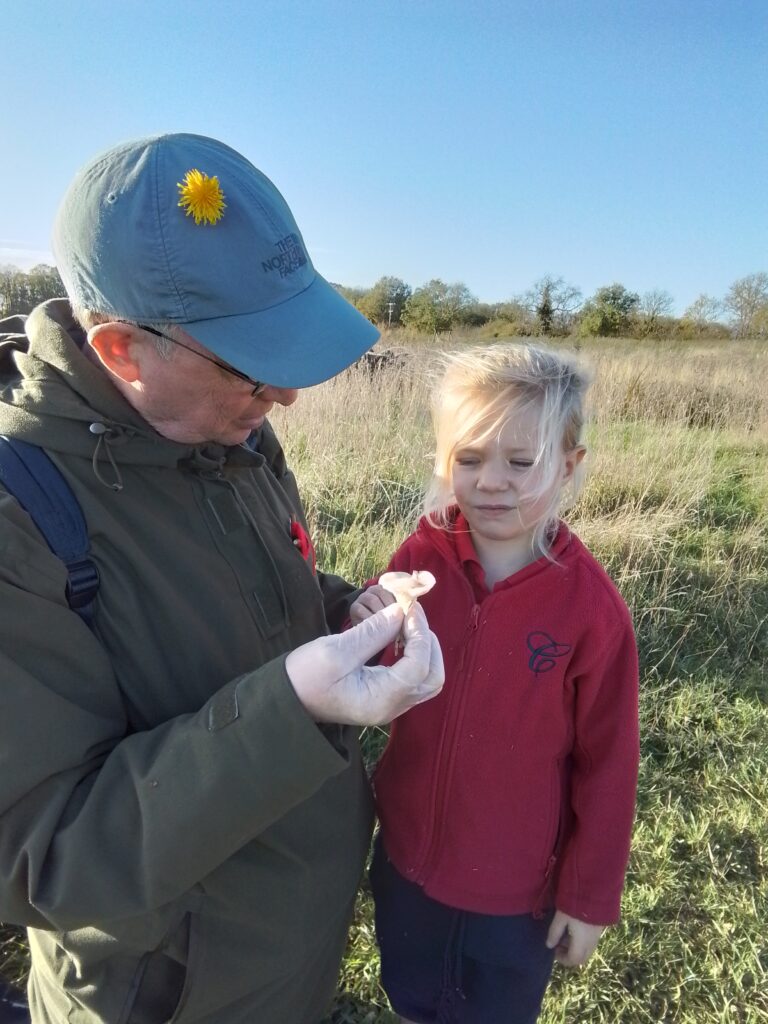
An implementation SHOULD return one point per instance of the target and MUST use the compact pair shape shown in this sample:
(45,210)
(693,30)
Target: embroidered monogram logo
(544,652)
(289,257)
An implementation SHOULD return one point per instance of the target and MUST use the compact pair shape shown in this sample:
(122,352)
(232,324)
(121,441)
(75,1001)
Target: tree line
(21,291)
(550,307)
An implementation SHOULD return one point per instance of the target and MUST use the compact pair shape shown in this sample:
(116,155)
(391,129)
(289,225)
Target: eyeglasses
(257,385)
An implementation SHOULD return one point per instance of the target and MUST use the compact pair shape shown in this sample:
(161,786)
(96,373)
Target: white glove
(334,684)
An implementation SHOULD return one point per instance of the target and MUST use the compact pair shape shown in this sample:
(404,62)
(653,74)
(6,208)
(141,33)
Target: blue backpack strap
(30,476)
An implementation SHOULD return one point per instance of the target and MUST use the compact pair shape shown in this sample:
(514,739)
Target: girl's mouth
(495,508)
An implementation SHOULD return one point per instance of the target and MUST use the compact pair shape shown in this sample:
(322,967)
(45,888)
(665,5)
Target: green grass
(676,506)
(677,509)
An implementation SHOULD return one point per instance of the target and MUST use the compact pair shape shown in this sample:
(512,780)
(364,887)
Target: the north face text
(289,257)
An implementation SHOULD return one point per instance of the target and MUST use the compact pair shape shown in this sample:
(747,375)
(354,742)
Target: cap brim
(300,342)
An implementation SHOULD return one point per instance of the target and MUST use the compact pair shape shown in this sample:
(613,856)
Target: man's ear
(118,350)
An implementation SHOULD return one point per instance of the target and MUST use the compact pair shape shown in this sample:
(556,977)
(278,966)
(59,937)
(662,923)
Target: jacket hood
(53,396)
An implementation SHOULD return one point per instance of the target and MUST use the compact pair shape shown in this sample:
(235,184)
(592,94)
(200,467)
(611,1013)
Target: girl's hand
(573,941)
(370,601)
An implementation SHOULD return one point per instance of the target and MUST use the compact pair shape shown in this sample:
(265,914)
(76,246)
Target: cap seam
(254,312)
(163,233)
(255,198)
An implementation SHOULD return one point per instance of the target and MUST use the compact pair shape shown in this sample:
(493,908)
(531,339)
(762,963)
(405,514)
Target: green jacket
(182,841)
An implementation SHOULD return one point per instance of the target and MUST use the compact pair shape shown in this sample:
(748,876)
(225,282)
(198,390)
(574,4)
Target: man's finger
(432,683)
(422,661)
(359,644)
(415,625)
(417,651)
(436,665)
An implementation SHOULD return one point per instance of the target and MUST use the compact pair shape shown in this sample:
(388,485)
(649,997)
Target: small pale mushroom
(407,586)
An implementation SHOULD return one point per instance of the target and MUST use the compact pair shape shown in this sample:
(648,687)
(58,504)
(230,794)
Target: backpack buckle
(82,582)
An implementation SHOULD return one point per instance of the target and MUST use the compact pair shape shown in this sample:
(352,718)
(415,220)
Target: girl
(506,802)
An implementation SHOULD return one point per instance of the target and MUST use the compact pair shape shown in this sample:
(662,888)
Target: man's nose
(283,396)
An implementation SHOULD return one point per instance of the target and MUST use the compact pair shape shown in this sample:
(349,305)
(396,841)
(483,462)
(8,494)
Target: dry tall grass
(676,506)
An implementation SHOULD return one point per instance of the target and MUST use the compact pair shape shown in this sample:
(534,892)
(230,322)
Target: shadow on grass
(14,955)
(348,1009)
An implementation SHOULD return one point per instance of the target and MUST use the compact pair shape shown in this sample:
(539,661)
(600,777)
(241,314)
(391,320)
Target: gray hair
(88,318)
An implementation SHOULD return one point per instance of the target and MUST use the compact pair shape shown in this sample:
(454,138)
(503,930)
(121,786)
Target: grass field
(676,506)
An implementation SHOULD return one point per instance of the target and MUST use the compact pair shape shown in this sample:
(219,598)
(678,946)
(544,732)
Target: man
(183,820)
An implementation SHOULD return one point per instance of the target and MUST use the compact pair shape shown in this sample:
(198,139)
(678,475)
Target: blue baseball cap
(182,229)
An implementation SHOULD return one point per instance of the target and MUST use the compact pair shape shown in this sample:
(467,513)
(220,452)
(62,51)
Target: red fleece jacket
(514,788)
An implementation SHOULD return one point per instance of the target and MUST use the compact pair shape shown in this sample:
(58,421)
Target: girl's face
(498,487)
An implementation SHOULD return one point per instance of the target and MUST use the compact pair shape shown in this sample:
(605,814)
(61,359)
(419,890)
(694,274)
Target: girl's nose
(492,477)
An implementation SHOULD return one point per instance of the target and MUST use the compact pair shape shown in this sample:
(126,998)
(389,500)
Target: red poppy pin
(301,540)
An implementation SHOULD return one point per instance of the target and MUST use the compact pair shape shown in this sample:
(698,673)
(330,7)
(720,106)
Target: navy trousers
(13,1005)
(440,965)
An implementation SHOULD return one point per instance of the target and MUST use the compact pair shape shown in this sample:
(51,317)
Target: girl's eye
(466,461)
(520,463)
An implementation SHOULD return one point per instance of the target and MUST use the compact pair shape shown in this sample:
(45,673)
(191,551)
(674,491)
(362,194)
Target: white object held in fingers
(407,586)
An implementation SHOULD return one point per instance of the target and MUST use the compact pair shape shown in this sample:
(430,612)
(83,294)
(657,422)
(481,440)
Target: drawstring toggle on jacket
(106,436)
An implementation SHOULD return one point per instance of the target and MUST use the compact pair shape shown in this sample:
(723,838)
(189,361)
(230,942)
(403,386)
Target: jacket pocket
(162,978)
(192,973)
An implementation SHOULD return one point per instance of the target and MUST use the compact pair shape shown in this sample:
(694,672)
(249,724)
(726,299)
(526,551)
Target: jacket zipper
(546,885)
(538,909)
(447,750)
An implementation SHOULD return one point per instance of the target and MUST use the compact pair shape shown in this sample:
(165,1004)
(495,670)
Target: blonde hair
(481,390)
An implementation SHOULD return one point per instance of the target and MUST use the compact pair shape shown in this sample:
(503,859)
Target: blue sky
(476,141)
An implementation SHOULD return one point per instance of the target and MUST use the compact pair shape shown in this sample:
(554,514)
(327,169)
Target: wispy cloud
(21,256)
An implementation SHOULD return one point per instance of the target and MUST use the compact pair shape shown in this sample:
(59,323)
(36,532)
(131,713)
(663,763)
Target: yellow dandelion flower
(201,197)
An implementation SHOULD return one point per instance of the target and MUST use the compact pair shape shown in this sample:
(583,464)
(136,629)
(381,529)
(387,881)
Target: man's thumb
(374,633)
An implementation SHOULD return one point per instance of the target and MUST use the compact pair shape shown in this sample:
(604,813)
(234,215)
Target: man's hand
(573,941)
(372,600)
(334,684)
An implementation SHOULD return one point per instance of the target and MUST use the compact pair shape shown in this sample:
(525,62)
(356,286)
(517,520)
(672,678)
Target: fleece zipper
(446,754)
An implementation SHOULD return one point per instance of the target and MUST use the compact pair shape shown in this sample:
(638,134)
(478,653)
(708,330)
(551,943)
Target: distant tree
(45,282)
(704,310)
(437,307)
(654,313)
(20,292)
(9,289)
(609,312)
(760,323)
(476,314)
(488,309)
(545,309)
(746,302)
(553,303)
(385,302)
(519,317)
(702,319)
(353,295)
